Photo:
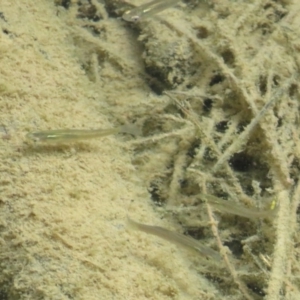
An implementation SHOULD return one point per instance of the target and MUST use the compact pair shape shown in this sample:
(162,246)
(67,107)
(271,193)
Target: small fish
(73,135)
(238,209)
(176,238)
(147,10)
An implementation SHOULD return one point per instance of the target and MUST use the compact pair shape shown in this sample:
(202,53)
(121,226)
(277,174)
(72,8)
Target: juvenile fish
(147,10)
(238,209)
(73,135)
(176,238)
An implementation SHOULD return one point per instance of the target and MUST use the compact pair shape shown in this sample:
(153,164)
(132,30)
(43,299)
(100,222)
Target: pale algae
(214,87)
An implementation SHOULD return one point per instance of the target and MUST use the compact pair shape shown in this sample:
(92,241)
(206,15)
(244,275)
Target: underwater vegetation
(213,90)
(219,133)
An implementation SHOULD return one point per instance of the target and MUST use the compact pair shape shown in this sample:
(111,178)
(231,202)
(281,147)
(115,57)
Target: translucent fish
(176,238)
(73,135)
(238,209)
(147,10)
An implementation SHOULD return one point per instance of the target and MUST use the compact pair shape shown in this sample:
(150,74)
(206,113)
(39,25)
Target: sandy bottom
(63,208)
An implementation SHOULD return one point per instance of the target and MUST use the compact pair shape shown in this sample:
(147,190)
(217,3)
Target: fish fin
(131,129)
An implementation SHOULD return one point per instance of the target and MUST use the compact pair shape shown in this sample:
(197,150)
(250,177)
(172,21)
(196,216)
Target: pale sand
(63,209)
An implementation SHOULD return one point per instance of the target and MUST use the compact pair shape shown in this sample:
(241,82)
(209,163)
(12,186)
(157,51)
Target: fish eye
(135,18)
(33,136)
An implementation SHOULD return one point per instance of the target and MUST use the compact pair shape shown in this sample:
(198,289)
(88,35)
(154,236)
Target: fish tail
(131,129)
